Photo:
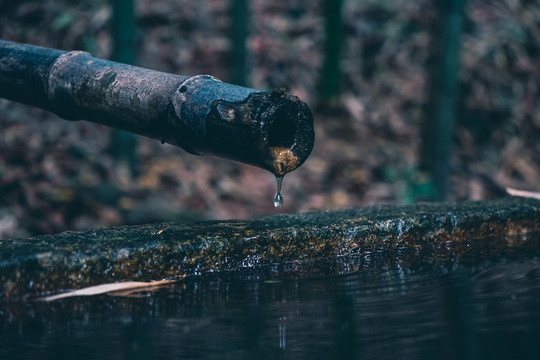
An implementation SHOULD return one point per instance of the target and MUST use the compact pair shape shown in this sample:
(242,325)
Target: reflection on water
(491,313)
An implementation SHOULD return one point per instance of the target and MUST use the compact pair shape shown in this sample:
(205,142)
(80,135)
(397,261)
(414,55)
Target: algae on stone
(324,241)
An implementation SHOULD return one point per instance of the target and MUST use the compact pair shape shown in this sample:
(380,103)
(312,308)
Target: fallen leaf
(126,287)
(522,193)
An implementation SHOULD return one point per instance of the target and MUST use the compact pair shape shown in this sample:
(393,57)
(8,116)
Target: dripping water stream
(278,199)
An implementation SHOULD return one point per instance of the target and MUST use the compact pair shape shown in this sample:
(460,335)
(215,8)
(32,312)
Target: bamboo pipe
(200,114)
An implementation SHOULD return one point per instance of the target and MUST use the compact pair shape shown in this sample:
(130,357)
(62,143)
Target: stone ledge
(313,243)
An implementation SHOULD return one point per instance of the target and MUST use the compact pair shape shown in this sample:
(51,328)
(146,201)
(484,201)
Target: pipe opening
(281,132)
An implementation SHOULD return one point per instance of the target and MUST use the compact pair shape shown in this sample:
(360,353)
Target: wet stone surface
(310,244)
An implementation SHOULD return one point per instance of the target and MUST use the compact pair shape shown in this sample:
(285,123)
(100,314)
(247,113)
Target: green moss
(411,235)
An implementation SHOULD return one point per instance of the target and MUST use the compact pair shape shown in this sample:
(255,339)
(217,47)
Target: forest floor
(57,175)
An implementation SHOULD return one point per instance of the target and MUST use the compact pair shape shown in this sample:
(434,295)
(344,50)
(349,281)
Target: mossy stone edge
(395,236)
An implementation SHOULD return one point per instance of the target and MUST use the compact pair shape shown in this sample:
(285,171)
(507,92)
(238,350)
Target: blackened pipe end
(268,129)
(285,130)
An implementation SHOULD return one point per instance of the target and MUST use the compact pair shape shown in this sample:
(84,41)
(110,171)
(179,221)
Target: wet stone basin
(422,235)
(490,312)
(411,282)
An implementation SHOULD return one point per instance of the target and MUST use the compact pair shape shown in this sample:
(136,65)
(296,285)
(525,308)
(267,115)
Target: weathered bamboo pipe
(202,115)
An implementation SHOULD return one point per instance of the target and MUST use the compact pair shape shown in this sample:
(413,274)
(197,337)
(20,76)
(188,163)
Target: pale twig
(113,288)
(522,193)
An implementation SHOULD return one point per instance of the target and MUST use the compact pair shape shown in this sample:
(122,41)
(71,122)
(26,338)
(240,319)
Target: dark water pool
(462,313)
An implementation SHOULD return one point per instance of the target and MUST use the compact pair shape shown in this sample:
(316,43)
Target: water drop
(278,199)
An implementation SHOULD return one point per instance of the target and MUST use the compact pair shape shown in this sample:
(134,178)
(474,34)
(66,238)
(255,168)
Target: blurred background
(414,100)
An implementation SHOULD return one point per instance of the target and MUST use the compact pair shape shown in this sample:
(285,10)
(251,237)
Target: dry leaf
(125,288)
(522,193)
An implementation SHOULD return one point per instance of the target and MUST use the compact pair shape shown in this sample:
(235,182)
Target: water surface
(482,312)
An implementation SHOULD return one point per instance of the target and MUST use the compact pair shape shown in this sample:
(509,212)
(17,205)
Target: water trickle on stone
(278,199)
